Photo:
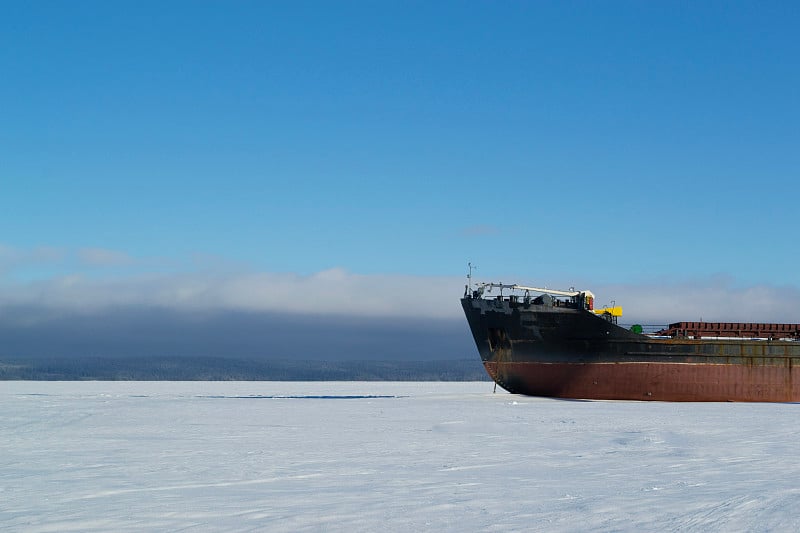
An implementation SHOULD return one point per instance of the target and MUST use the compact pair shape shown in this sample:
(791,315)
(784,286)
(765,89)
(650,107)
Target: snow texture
(376,456)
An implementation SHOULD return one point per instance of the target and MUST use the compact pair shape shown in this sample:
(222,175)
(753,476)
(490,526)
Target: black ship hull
(570,352)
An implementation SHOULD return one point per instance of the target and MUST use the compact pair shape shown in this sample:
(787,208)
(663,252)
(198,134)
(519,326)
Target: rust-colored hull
(681,382)
(569,352)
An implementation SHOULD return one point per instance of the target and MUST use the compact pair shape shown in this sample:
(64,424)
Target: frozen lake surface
(376,456)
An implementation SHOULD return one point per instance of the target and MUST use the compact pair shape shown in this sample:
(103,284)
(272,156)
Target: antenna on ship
(469,276)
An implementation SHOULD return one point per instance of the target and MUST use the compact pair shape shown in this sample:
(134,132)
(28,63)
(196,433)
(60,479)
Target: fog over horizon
(146,332)
(331,314)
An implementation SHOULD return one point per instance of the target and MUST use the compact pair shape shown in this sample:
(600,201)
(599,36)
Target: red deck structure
(738,330)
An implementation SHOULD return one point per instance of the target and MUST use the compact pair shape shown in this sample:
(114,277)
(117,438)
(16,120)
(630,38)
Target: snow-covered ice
(376,456)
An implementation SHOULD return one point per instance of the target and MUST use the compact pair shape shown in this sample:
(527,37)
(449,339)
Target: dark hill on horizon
(231,369)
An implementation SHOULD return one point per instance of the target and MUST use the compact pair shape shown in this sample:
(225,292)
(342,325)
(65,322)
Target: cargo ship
(554,343)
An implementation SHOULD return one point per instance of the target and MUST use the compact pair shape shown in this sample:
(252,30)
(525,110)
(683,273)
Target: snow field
(376,456)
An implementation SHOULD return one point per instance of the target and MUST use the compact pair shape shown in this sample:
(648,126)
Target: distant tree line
(229,369)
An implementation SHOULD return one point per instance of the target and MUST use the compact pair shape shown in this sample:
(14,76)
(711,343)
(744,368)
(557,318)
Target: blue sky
(547,142)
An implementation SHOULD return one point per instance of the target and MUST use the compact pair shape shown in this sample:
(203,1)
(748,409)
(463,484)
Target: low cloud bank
(333,314)
(330,292)
(709,300)
(338,293)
